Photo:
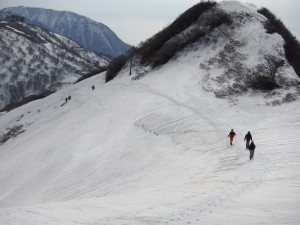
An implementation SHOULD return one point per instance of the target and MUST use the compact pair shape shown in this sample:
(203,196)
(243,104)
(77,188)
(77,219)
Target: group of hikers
(69,98)
(249,142)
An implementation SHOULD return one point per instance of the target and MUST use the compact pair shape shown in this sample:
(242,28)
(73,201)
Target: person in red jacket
(231,136)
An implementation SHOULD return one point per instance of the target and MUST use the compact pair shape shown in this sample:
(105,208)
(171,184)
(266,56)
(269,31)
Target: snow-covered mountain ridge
(35,61)
(233,57)
(154,150)
(90,34)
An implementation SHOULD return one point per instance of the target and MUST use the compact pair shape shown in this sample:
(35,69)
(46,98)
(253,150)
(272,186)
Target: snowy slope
(152,151)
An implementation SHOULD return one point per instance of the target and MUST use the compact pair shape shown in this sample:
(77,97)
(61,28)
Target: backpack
(252,146)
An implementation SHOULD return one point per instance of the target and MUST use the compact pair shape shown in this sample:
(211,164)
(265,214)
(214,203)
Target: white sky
(136,20)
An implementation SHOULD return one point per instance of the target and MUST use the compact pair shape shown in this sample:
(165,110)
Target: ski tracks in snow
(188,128)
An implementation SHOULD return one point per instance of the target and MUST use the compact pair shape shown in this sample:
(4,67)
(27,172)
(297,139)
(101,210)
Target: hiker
(252,148)
(93,87)
(66,100)
(231,136)
(248,138)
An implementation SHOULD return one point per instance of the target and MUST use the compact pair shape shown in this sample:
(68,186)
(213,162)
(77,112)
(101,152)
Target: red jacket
(231,134)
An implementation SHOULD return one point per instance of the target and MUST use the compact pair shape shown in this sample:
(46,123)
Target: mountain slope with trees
(35,61)
(92,35)
(258,61)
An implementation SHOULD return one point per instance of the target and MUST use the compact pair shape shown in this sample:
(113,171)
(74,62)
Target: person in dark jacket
(252,148)
(231,136)
(248,138)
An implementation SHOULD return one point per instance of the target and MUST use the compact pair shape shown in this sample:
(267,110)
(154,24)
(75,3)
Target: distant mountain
(34,61)
(90,34)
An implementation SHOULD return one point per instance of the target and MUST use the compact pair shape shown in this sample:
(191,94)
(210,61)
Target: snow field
(152,151)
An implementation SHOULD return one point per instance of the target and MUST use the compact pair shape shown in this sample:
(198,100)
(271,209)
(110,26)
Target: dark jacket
(248,137)
(252,146)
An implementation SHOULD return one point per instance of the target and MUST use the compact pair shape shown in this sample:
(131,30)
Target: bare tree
(279,49)
(272,64)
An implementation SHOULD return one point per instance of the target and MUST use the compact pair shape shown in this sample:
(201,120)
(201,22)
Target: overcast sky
(137,20)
